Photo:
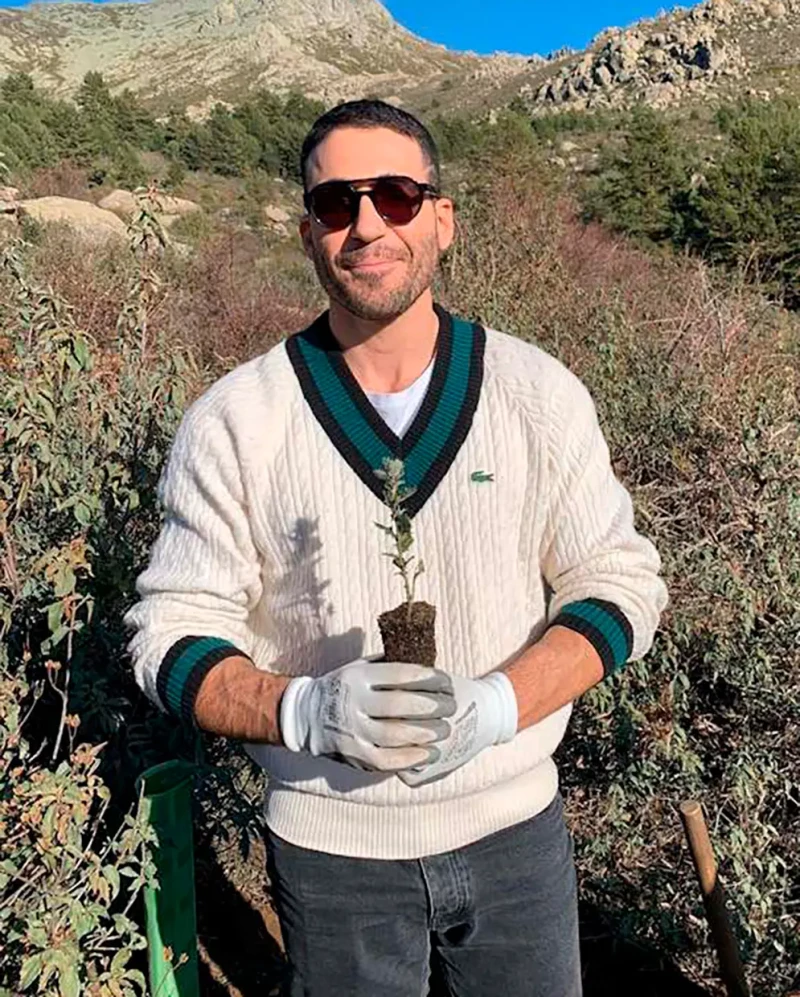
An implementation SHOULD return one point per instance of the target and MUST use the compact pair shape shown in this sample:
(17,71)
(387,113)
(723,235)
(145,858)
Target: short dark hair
(371,114)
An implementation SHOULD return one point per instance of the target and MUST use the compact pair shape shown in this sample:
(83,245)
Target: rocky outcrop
(658,62)
(632,62)
(277,219)
(93,225)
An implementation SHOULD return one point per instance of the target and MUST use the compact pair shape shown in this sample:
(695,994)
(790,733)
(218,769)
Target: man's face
(373,269)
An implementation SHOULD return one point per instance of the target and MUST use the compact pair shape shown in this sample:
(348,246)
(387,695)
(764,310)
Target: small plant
(395,493)
(408,631)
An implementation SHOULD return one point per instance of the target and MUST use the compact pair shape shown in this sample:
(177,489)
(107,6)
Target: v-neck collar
(358,432)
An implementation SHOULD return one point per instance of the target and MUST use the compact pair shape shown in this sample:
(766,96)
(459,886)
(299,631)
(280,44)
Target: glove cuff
(506,703)
(293,721)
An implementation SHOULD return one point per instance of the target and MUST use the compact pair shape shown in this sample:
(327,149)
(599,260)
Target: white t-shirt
(398,408)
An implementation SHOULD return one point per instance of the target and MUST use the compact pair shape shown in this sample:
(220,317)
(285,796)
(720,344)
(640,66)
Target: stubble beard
(362,294)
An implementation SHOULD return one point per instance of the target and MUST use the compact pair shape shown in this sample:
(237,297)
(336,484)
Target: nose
(368,224)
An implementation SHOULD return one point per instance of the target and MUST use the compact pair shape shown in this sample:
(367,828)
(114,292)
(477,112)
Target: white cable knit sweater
(269,547)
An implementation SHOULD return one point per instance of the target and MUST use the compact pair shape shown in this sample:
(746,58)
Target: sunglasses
(335,204)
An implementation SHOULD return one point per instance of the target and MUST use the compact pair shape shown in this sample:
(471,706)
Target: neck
(387,356)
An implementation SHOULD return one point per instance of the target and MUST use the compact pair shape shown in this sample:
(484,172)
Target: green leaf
(81,353)
(69,982)
(31,968)
(49,411)
(111,874)
(120,961)
(54,614)
(82,513)
(137,977)
(64,583)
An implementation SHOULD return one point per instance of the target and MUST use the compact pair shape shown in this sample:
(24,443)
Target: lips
(373,263)
(376,265)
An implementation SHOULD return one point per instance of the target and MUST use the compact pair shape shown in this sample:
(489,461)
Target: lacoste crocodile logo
(481,476)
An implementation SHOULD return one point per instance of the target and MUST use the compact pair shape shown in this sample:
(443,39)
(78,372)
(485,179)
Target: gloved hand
(486,714)
(377,715)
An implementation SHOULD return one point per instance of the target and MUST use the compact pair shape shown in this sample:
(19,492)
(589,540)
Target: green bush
(640,187)
(84,433)
(737,207)
(745,210)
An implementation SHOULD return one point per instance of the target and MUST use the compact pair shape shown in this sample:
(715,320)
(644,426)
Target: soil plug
(409,630)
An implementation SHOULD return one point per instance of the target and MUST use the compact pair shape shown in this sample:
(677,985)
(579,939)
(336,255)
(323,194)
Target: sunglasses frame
(357,191)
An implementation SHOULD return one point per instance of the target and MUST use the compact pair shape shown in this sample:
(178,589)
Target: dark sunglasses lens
(331,205)
(397,200)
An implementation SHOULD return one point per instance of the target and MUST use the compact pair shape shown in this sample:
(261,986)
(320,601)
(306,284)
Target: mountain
(192,53)
(186,52)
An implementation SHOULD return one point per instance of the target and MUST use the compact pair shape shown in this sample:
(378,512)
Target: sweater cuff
(183,669)
(604,625)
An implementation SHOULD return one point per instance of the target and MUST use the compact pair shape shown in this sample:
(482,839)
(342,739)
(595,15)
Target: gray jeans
(497,918)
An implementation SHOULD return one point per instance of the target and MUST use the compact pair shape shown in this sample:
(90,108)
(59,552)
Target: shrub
(698,396)
(744,210)
(640,186)
(84,433)
(737,207)
(66,886)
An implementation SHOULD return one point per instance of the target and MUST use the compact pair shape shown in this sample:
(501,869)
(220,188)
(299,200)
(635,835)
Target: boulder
(166,221)
(121,202)
(92,224)
(275,214)
(8,194)
(602,76)
(125,204)
(169,205)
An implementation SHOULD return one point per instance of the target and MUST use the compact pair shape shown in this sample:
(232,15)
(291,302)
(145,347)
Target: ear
(445,222)
(305,235)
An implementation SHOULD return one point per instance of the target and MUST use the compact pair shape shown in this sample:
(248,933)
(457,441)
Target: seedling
(395,493)
(409,630)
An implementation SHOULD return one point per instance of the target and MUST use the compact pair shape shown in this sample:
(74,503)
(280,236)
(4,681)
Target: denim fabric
(498,918)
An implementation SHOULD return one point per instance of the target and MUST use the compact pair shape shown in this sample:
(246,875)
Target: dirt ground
(241,949)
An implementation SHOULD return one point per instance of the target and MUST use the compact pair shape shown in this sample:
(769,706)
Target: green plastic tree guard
(170,915)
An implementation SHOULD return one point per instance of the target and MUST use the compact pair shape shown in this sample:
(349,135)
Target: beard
(365,294)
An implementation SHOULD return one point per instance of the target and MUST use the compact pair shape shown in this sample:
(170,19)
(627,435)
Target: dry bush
(225,301)
(94,282)
(228,304)
(64,180)
(697,380)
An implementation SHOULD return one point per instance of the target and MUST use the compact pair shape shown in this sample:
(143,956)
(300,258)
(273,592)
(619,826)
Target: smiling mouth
(371,264)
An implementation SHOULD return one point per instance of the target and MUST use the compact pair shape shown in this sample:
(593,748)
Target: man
(414,817)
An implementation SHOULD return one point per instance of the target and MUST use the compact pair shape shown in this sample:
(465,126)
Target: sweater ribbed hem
(360,830)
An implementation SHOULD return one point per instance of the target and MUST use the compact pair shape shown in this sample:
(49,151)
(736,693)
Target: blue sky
(525,26)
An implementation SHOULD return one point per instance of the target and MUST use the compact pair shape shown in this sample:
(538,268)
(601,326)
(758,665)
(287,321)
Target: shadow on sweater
(301,611)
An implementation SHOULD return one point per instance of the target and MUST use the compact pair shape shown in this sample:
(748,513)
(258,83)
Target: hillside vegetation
(696,373)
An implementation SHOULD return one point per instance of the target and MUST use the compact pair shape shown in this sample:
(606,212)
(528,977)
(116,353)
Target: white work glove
(486,714)
(375,715)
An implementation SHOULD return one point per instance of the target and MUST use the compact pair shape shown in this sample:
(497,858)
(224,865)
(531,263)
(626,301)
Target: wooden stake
(730,962)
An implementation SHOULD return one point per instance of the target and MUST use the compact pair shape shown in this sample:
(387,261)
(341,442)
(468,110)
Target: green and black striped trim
(184,667)
(604,625)
(361,436)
